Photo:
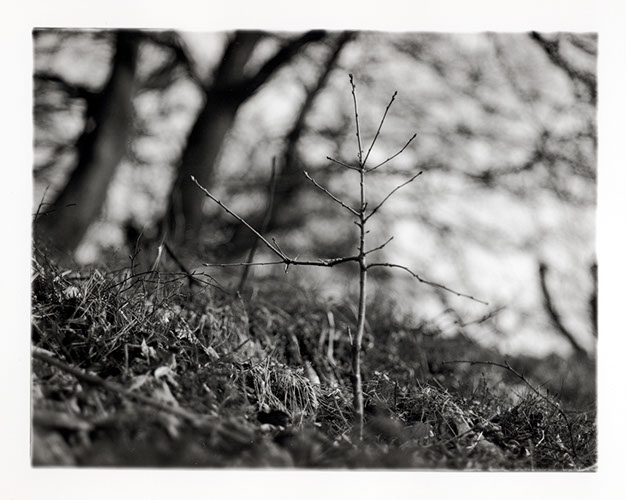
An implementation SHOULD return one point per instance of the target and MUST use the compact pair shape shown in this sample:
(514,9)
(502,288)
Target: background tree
(109,124)
(506,138)
(290,180)
(230,88)
(100,148)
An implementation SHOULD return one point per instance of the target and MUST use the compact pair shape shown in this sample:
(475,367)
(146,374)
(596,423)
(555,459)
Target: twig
(392,157)
(332,196)
(248,264)
(356,120)
(291,262)
(343,164)
(485,317)
(426,282)
(331,338)
(380,247)
(553,313)
(391,194)
(243,221)
(393,97)
(94,379)
(175,277)
(285,54)
(190,276)
(266,220)
(41,204)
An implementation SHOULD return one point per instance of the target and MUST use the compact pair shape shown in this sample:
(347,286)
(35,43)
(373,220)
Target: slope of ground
(152,370)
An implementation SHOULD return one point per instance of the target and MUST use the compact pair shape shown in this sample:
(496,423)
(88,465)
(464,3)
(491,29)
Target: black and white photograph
(341,248)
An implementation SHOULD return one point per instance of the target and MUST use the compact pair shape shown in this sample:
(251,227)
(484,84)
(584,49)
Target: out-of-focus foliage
(506,136)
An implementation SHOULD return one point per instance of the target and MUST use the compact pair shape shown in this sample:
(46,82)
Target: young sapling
(362,214)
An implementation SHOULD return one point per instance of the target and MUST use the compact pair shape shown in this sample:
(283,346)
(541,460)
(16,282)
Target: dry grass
(224,360)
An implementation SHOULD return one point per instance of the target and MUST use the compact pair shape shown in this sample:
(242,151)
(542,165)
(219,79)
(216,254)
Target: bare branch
(551,49)
(274,248)
(393,97)
(391,194)
(322,188)
(337,45)
(356,120)
(379,247)
(243,221)
(182,56)
(286,53)
(339,260)
(392,157)
(291,262)
(94,379)
(71,89)
(277,245)
(266,221)
(485,317)
(343,164)
(247,264)
(426,282)
(586,44)
(554,314)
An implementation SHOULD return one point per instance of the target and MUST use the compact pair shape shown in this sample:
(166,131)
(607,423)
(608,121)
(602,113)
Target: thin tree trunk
(100,150)
(357,383)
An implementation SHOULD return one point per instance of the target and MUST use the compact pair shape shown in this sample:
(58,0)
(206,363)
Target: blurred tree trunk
(100,149)
(205,139)
(555,317)
(229,90)
(290,179)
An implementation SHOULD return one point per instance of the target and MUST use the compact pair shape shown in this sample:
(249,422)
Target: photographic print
(316,249)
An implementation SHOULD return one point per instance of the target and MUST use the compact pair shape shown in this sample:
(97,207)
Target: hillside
(156,370)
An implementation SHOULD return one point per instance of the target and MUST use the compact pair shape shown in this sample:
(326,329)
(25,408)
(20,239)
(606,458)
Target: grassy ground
(147,370)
